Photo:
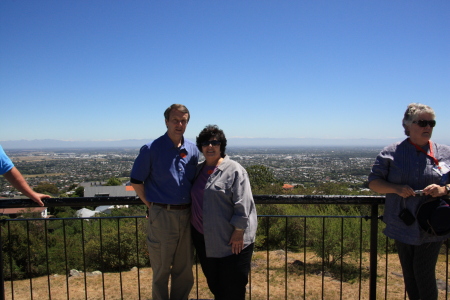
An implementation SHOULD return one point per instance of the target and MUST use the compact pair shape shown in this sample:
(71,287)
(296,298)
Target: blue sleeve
(5,163)
(380,168)
(142,165)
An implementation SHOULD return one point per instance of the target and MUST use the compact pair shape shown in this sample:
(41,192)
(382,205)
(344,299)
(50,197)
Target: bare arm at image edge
(17,181)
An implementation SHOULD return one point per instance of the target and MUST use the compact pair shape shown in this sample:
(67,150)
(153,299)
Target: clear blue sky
(107,69)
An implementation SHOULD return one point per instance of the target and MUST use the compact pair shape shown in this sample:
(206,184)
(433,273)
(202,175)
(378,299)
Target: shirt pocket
(221,187)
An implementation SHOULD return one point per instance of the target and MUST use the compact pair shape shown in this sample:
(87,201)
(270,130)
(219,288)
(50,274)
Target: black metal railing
(128,241)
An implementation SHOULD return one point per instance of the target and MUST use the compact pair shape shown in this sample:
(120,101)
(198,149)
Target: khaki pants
(171,252)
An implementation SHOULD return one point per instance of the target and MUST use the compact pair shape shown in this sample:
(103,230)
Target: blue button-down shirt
(167,171)
(401,163)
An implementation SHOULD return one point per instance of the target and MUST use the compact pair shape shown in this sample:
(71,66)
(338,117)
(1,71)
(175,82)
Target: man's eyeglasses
(176,122)
(424,123)
(212,143)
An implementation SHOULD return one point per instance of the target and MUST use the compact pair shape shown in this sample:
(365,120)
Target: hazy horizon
(232,142)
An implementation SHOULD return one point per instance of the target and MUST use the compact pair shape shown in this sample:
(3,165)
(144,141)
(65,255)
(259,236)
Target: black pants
(419,269)
(227,277)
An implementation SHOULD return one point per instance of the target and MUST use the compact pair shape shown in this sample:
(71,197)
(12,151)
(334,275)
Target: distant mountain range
(232,142)
(59,144)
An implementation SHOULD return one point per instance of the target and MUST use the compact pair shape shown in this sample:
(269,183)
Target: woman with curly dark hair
(223,217)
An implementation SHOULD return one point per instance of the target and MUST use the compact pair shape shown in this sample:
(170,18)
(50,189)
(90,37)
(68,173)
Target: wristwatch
(447,187)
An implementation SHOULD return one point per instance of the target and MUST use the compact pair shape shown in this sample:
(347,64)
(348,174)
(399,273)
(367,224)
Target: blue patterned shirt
(402,163)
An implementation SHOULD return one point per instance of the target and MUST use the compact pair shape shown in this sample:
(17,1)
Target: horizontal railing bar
(139,217)
(313,216)
(75,201)
(74,218)
(318,199)
(259,199)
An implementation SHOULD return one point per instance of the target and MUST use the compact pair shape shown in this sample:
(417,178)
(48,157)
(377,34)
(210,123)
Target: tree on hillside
(79,192)
(113,181)
(72,186)
(262,179)
(46,188)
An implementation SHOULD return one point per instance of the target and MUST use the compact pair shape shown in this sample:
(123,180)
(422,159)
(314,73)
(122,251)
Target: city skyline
(323,70)
(232,143)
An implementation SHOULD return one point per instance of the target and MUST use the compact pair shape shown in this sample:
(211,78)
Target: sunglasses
(212,143)
(424,123)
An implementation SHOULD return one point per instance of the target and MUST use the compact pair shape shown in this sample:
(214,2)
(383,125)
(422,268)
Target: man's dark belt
(172,206)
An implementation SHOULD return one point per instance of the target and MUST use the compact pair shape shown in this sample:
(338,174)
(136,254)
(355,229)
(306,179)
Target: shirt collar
(221,166)
(169,144)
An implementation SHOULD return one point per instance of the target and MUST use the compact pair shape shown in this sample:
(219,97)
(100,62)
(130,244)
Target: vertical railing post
(2,278)
(373,252)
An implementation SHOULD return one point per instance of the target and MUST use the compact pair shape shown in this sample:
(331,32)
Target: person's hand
(237,241)
(405,191)
(36,197)
(435,190)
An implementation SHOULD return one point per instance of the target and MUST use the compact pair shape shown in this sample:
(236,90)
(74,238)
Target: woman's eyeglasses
(424,123)
(212,143)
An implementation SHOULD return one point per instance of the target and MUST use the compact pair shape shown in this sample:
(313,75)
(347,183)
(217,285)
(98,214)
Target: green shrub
(107,250)
(25,255)
(334,238)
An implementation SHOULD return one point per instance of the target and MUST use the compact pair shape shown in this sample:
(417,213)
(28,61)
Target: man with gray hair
(162,177)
